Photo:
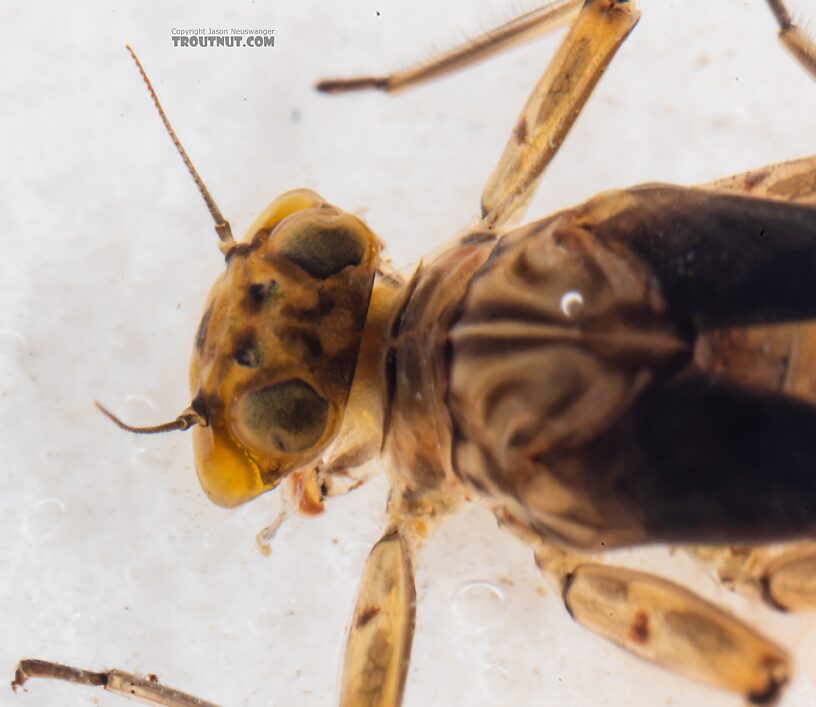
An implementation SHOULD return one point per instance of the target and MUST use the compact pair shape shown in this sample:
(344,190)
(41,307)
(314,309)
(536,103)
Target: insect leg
(738,567)
(525,27)
(789,581)
(793,39)
(670,626)
(382,628)
(789,181)
(785,580)
(147,688)
(554,104)
(667,624)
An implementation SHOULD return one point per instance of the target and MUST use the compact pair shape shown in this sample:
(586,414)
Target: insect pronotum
(582,585)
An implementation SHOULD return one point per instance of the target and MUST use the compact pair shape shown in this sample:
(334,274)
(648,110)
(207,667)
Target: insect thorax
(417,429)
(557,335)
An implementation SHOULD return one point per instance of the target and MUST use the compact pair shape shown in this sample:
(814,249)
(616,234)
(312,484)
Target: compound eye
(286,417)
(322,250)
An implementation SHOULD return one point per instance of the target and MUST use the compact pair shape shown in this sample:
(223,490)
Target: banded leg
(670,626)
(555,102)
(793,181)
(667,625)
(785,580)
(382,628)
(145,688)
(377,651)
(793,39)
(523,28)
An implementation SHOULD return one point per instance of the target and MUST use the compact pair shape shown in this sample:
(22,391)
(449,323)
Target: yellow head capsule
(277,346)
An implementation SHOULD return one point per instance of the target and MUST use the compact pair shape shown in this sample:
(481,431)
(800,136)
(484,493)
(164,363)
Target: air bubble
(137,400)
(496,682)
(571,303)
(477,606)
(136,409)
(43,520)
(504,683)
(263,622)
(145,456)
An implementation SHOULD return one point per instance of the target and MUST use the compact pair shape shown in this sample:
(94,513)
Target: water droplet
(571,303)
(477,606)
(43,520)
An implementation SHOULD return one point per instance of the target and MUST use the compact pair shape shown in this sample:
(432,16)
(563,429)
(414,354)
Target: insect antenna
(184,421)
(222,227)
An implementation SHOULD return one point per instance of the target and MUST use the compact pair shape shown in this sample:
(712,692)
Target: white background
(110,554)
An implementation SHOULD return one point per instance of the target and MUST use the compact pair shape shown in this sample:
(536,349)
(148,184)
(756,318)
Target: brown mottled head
(277,347)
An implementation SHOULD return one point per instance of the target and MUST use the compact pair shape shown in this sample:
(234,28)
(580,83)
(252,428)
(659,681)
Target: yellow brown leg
(668,625)
(739,569)
(523,28)
(793,39)
(793,181)
(382,628)
(377,650)
(785,579)
(554,104)
(789,580)
(144,688)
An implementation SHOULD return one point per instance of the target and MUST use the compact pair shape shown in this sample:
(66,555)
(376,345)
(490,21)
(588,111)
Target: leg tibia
(668,625)
(382,628)
(144,688)
(793,39)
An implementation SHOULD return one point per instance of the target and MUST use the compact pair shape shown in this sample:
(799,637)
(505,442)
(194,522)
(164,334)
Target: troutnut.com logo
(213,37)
